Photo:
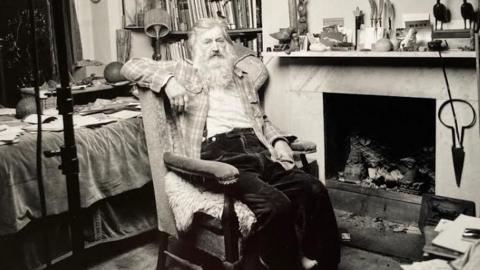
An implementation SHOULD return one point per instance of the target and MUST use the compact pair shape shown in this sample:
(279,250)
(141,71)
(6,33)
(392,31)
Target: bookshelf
(232,32)
(243,18)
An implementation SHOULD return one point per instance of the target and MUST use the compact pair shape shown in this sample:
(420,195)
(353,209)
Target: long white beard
(216,71)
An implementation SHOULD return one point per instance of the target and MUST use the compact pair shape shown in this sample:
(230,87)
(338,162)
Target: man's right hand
(177,94)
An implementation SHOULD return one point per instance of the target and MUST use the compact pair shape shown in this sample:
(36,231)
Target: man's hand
(285,154)
(177,94)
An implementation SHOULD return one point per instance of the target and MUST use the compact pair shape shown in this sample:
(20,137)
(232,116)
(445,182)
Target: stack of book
(178,50)
(238,14)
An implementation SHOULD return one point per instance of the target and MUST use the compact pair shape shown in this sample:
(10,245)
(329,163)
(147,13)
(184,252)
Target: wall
(275,13)
(98,23)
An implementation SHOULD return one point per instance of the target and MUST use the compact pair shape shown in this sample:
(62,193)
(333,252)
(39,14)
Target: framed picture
(134,11)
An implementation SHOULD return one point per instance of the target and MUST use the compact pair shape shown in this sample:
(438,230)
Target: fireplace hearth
(380,142)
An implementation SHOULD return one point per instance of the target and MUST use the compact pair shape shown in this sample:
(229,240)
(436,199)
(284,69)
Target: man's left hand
(285,154)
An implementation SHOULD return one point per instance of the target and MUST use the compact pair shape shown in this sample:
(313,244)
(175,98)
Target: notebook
(451,237)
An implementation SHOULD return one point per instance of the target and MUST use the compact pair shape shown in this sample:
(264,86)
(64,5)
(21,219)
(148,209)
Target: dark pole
(36,82)
(68,152)
(3,89)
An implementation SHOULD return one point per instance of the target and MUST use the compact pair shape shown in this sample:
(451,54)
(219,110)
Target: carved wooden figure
(468,13)
(440,13)
(302,17)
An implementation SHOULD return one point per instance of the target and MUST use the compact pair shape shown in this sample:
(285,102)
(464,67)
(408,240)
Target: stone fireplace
(299,88)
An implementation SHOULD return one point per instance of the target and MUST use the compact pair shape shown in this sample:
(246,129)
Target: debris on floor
(378,223)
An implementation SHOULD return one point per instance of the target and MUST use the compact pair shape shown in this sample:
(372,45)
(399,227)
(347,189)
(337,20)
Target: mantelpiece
(371,54)
(294,100)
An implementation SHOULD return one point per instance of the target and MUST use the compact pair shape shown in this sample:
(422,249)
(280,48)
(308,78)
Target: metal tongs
(373,13)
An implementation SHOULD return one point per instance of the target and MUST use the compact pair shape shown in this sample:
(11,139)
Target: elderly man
(219,103)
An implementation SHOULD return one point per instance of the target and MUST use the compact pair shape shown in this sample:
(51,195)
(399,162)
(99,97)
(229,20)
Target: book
(451,237)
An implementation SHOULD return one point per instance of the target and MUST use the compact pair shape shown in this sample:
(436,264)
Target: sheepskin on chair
(186,199)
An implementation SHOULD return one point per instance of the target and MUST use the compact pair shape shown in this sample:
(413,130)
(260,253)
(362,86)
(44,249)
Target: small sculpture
(284,37)
(468,13)
(389,16)
(373,13)
(440,13)
(410,41)
(383,45)
(302,17)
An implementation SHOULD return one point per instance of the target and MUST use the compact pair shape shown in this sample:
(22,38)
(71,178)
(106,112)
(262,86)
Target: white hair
(205,24)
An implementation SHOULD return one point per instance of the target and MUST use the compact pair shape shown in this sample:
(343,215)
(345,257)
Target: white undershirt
(225,111)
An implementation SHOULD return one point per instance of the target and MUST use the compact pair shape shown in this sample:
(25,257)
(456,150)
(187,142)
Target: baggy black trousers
(293,210)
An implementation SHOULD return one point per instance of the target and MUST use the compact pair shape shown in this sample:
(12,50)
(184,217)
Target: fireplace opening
(380,142)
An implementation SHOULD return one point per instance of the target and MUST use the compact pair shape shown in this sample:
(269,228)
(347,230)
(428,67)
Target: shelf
(356,54)
(451,33)
(234,32)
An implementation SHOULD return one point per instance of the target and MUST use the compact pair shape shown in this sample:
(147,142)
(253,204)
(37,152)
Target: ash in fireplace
(371,164)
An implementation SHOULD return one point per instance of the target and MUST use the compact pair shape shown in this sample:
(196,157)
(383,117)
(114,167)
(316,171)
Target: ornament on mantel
(440,13)
(468,13)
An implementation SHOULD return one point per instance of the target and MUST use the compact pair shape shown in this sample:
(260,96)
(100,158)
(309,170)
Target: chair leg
(162,247)
(230,230)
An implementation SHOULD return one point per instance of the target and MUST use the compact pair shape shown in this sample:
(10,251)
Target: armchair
(216,237)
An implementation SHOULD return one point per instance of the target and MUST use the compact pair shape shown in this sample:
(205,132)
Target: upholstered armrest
(303,147)
(224,174)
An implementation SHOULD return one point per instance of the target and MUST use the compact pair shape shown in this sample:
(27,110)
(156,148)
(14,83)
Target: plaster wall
(85,21)
(98,22)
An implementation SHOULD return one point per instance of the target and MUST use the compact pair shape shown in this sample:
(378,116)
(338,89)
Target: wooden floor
(144,257)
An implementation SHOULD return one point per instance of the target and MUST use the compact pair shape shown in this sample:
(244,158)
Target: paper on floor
(436,264)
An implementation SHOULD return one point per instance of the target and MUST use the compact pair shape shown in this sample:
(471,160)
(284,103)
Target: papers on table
(55,123)
(9,135)
(451,236)
(33,119)
(125,114)
(91,120)
(54,126)
(7,111)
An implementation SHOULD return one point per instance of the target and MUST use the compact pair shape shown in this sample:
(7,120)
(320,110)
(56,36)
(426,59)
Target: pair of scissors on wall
(458,131)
